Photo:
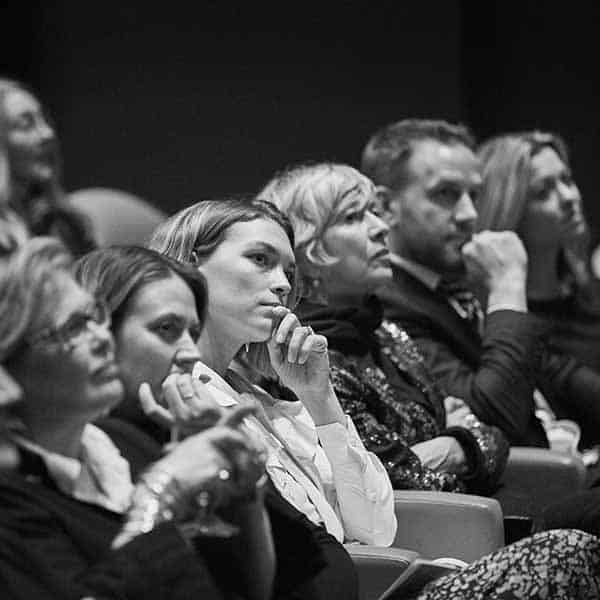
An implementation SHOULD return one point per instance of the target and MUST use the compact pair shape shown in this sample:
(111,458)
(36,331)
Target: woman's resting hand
(442,454)
(457,412)
(201,460)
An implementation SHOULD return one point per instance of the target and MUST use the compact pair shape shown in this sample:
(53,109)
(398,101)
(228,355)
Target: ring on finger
(224,474)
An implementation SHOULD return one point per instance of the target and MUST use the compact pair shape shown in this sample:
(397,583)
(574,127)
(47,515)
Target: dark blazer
(494,374)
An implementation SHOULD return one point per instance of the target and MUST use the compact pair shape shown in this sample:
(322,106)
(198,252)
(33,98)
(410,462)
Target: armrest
(378,567)
(443,524)
(541,476)
(555,474)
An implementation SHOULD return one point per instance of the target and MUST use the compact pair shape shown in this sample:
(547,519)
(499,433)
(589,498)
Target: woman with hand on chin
(400,410)
(72,523)
(528,187)
(157,309)
(398,407)
(244,249)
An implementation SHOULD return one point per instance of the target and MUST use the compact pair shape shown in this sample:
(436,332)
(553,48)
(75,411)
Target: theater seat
(116,216)
(378,567)
(431,525)
(444,524)
(543,476)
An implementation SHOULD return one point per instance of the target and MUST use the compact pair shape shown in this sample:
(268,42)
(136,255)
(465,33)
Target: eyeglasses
(75,330)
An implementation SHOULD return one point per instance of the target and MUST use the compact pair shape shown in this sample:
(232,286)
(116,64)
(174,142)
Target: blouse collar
(100,475)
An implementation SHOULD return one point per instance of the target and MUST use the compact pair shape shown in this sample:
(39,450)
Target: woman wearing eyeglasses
(72,524)
(156,323)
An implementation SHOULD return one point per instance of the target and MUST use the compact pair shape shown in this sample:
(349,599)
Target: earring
(314,291)
(247,347)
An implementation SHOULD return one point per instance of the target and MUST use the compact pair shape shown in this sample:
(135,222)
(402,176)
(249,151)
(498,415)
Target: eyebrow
(355,202)
(550,177)
(269,248)
(453,178)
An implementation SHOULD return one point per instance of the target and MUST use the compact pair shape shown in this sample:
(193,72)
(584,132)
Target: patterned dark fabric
(492,447)
(558,564)
(464,301)
(382,383)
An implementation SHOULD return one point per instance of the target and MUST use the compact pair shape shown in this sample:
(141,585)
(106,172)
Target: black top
(311,563)
(496,372)
(53,546)
(395,404)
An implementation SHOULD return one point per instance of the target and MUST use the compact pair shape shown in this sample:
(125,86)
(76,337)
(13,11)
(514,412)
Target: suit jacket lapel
(406,295)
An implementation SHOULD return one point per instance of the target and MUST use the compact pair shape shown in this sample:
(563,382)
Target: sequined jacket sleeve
(486,446)
(382,429)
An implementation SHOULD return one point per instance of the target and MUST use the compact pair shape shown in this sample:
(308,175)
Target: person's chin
(42,172)
(379,278)
(109,395)
(261,332)
(453,263)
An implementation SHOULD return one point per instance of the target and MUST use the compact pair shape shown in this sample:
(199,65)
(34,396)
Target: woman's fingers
(311,342)
(233,418)
(152,409)
(183,383)
(286,327)
(175,402)
(190,402)
(205,404)
(247,461)
(299,335)
(299,341)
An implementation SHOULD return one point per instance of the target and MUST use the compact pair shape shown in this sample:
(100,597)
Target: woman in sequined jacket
(426,440)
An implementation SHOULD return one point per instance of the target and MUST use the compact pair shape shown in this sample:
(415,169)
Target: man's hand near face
(498,260)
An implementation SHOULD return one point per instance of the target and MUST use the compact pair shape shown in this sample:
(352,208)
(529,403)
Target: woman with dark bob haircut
(155,360)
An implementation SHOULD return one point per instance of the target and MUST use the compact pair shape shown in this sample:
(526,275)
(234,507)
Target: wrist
(324,406)
(507,292)
(157,498)
(249,505)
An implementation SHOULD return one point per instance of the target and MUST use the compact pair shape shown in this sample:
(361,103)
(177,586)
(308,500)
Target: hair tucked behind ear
(310,196)
(193,234)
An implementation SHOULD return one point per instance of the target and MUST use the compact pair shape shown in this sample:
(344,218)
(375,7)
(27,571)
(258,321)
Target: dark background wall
(176,106)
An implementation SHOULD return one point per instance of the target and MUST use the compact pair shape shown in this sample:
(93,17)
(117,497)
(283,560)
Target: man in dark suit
(428,177)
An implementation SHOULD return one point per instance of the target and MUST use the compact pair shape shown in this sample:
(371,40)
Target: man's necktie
(464,302)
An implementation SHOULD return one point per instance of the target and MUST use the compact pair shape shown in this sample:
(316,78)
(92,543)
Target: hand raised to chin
(298,355)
